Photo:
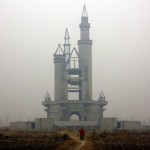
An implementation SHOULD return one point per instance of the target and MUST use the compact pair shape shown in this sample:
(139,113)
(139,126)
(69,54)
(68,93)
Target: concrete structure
(44,124)
(108,124)
(146,128)
(29,125)
(104,124)
(129,125)
(73,76)
(73,91)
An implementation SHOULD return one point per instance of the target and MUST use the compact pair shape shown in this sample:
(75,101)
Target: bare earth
(68,140)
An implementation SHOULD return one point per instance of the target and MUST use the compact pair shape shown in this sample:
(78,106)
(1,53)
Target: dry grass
(69,140)
(68,145)
(31,140)
(55,140)
(120,140)
(71,143)
(87,146)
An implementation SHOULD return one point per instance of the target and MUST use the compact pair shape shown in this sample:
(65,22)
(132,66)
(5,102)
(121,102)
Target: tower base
(64,110)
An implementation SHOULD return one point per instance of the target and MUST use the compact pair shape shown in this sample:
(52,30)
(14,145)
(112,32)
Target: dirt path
(79,145)
(76,138)
(82,144)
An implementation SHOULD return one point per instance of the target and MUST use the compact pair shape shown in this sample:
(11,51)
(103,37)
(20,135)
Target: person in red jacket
(82,133)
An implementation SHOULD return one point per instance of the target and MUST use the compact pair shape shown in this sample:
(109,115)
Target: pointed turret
(47,96)
(84,12)
(59,55)
(66,37)
(59,51)
(84,25)
(101,97)
(67,46)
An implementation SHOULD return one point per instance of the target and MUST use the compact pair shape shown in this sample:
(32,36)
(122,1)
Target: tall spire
(66,37)
(84,12)
(84,25)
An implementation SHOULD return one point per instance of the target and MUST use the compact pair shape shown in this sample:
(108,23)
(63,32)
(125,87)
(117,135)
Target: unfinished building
(73,90)
(73,81)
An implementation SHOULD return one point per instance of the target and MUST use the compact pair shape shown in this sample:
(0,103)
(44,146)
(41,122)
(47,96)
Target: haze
(30,31)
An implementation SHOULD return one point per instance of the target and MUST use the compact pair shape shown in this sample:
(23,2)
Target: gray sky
(30,31)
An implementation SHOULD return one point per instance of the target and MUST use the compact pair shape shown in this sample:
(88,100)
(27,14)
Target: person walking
(82,133)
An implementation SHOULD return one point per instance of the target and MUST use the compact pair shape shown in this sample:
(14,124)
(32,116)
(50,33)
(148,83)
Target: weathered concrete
(29,125)
(86,110)
(73,74)
(129,125)
(108,124)
(44,124)
(85,57)
(76,123)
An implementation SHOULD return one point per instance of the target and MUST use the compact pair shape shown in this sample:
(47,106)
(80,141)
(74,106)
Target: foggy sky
(30,31)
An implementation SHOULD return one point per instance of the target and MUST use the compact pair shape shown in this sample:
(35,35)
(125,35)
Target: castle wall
(129,125)
(76,124)
(48,124)
(108,124)
(44,124)
(85,110)
(29,125)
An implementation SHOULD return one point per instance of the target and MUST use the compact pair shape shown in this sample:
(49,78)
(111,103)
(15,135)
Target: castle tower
(73,75)
(85,57)
(59,60)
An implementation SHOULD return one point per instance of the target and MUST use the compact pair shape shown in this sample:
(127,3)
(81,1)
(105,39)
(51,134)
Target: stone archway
(75,116)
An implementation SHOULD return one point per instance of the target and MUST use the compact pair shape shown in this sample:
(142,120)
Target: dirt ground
(121,140)
(68,140)
(31,140)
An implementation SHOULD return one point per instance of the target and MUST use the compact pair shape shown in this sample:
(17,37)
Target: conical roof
(59,50)
(84,12)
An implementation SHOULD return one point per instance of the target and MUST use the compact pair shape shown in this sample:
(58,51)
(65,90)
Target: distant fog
(30,31)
